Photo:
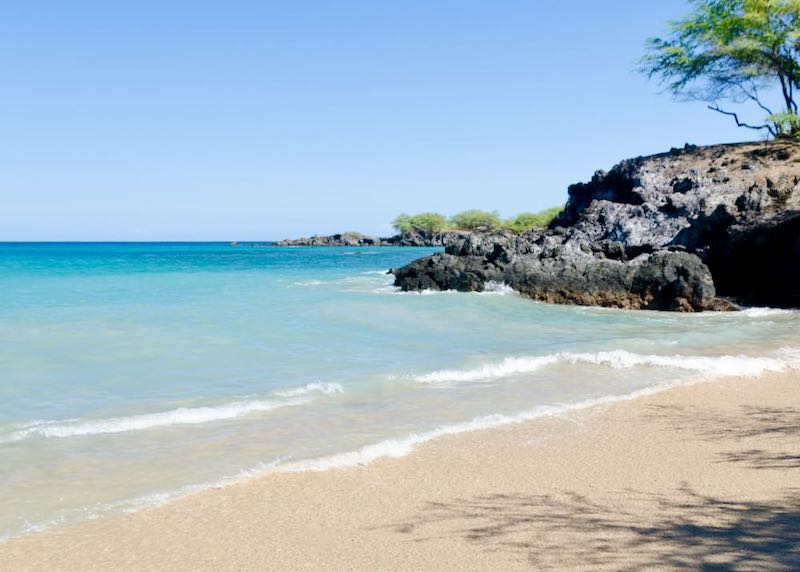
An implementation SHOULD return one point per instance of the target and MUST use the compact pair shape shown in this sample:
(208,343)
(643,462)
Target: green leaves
(527,221)
(476,220)
(423,222)
(732,49)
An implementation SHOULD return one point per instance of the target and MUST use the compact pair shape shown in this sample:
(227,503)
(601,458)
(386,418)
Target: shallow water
(130,373)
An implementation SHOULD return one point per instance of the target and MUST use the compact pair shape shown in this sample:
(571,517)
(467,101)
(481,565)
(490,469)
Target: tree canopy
(473,220)
(423,222)
(528,221)
(734,50)
(477,220)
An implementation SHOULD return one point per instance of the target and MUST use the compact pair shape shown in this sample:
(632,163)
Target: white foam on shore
(725,365)
(398,448)
(180,416)
(136,504)
(389,448)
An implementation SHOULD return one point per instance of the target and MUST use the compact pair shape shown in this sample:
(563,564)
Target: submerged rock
(667,232)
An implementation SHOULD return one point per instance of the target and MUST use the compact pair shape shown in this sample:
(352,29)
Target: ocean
(131,374)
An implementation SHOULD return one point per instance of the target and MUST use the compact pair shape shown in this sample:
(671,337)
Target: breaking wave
(726,365)
(162,419)
(398,448)
(324,388)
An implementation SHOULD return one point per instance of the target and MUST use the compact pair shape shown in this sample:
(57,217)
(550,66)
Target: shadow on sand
(634,530)
(781,424)
(566,530)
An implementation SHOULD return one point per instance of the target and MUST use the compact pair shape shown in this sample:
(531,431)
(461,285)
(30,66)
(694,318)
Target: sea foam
(726,365)
(180,416)
(316,387)
(401,447)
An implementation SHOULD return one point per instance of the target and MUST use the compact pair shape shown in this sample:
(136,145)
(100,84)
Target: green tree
(734,50)
(476,220)
(527,221)
(423,222)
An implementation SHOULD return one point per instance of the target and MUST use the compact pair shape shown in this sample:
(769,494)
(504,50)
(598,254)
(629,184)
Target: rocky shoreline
(694,229)
(412,238)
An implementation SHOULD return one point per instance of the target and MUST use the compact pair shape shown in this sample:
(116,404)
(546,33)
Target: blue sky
(261,120)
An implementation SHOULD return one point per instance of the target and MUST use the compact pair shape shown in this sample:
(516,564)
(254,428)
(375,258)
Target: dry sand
(700,476)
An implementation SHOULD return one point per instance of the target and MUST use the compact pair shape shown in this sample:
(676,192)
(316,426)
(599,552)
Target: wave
(317,387)
(497,289)
(138,503)
(767,312)
(726,365)
(180,416)
(389,448)
(398,448)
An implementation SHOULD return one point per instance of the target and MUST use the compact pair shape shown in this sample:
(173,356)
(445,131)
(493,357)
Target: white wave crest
(766,312)
(726,365)
(397,448)
(317,387)
(180,416)
(487,372)
(497,289)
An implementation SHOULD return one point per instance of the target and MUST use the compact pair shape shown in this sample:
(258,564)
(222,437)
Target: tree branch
(742,124)
(753,96)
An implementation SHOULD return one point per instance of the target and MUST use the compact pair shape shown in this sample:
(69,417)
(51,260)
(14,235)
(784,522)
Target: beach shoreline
(701,474)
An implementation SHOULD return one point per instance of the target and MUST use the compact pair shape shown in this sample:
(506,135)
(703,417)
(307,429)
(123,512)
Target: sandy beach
(696,476)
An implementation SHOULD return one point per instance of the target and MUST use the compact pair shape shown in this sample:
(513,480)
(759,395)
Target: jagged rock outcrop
(675,231)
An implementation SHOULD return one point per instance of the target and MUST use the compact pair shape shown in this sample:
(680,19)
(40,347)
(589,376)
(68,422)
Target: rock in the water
(666,232)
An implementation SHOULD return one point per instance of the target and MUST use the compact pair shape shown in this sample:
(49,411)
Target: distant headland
(693,229)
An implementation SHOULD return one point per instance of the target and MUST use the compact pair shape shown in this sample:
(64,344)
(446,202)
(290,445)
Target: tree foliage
(423,222)
(735,50)
(476,220)
(473,220)
(527,221)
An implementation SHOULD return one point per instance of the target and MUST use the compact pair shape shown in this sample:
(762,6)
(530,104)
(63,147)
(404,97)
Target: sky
(259,120)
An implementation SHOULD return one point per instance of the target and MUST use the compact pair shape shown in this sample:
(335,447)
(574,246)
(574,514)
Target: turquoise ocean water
(133,373)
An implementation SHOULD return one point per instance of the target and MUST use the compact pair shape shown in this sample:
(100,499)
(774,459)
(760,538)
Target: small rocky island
(694,229)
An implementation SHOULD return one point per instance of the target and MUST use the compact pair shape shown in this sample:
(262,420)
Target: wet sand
(696,476)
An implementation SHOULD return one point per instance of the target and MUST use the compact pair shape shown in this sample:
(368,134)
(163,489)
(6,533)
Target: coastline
(706,473)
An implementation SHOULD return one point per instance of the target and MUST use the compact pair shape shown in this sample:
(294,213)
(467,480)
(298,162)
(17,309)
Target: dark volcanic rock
(344,239)
(667,232)
(411,238)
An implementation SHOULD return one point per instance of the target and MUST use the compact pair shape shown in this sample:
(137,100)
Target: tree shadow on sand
(634,530)
(567,530)
(781,424)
